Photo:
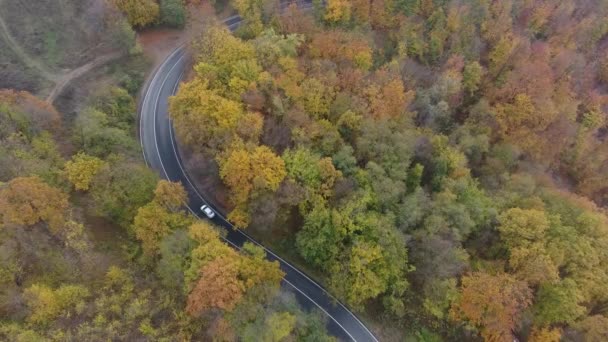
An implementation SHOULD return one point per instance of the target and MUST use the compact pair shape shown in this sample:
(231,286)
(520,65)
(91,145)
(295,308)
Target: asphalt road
(160,153)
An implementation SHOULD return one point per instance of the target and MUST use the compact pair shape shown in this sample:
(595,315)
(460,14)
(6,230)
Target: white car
(208,211)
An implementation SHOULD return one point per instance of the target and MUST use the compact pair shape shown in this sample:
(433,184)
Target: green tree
(121,189)
(174,259)
(318,241)
(318,175)
(558,303)
(471,77)
(119,106)
(96,138)
(173,13)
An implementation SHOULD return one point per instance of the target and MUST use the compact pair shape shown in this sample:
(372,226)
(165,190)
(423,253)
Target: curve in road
(160,153)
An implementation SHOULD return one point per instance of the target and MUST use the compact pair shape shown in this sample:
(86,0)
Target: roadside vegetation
(440,165)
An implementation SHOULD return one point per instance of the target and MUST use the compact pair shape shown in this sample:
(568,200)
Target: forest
(440,166)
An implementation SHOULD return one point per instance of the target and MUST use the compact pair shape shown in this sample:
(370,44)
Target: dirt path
(65,80)
(29,61)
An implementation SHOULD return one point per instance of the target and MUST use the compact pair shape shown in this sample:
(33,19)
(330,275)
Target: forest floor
(6,35)
(43,61)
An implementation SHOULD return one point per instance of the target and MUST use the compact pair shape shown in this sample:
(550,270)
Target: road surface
(161,153)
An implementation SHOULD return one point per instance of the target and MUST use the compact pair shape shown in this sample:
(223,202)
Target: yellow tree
(499,55)
(493,303)
(364,275)
(170,195)
(251,11)
(28,200)
(81,170)
(338,11)
(140,13)
(228,63)
(153,222)
(47,304)
(247,170)
(522,227)
(202,118)
(594,328)
(523,231)
(209,248)
(545,335)
(160,217)
(280,325)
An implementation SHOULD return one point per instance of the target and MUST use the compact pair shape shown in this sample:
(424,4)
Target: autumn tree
(81,170)
(520,227)
(203,118)
(521,121)
(47,304)
(338,11)
(280,326)
(170,195)
(228,63)
(224,275)
(252,11)
(153,222)
(157,219)
(28,200)
(389,100)
(594,328)
(140,13)
(493,303)
(363,276)
(499,55)
(248,172)
(545,335)
(524,233)
(218,287)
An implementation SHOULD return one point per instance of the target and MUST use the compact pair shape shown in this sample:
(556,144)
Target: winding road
(160,153)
